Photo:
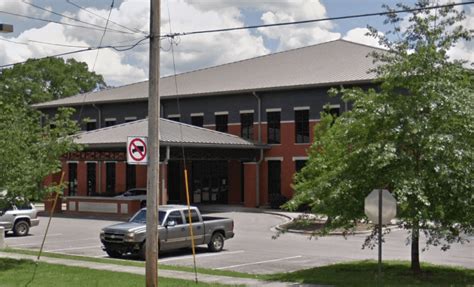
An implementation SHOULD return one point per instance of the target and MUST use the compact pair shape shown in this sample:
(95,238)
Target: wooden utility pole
(154,148)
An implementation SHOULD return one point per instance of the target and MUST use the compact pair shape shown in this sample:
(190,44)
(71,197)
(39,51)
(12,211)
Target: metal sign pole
(380,232)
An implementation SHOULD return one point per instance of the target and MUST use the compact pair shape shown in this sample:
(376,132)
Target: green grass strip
(365,273)
(14,272)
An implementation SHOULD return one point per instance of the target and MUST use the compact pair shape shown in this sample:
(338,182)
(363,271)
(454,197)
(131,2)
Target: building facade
(272,101)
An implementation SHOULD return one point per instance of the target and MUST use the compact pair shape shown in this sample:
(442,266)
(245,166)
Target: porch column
(250,177)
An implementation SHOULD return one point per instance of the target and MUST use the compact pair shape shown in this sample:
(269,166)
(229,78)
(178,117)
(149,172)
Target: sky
(131,24)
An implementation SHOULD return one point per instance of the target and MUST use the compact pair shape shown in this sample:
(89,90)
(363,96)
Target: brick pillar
(141,176)
(250,174)
(81,179)
(163,183)
(120,175)
(234,178)
(103,174)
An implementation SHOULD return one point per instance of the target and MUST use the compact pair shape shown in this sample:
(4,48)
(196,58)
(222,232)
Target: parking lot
(252,250)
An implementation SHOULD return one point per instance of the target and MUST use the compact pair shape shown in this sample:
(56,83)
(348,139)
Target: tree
(413,135)
(31,143)
(41,80)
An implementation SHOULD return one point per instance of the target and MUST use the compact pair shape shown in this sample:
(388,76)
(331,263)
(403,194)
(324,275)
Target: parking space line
(74,248)
(53,242)
(201,255)
(259,262)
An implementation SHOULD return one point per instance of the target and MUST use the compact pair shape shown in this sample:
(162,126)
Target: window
(194,216)
(131,176)
(91,178)
(273,127)
(176,217)
(110,122)
(333,110)
(246,125)
(302,126)
(130,119)
(221,123)
(91,125)
(72,181)
(197,121)
(175,118)
(110,178)
(299,164)
(274,177)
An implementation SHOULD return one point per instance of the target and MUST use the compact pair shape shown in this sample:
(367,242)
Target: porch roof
(171,134)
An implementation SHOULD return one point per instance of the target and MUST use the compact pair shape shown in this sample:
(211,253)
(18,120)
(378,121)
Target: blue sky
(192,52)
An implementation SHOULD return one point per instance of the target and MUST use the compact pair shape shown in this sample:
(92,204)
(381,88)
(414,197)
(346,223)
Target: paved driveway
(252,250)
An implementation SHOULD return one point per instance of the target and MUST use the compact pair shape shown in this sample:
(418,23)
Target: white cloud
(359,35)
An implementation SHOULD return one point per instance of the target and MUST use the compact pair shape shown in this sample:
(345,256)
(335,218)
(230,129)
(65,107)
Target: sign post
(380,207)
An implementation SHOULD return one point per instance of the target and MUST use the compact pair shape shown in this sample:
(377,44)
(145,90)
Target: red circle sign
(137,149)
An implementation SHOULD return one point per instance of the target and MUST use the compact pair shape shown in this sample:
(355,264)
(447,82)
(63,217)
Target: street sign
(389,206)
(137,150)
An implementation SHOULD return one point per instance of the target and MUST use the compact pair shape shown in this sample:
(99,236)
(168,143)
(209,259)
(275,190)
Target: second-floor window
(197,121)
(302,126)
(110,122)
(246,125)
(273,127)
(222,123)
(91,125)
(175,118)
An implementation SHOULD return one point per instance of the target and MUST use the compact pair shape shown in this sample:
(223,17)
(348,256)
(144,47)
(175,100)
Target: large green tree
(41,80)
(31,143)
(413,135)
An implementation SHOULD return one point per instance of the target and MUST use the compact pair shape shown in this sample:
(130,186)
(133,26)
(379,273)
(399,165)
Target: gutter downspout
(99,163)
(257,179)
(163,184)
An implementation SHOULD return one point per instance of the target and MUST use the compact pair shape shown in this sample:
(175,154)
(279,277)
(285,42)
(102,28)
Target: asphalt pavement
(252,250)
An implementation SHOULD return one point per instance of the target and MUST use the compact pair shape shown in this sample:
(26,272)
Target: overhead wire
(64,16)
(317,20)
(185,169)
(136,30)
(62,23)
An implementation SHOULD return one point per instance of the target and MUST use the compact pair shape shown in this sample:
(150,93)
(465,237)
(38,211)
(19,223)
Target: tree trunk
(415,249)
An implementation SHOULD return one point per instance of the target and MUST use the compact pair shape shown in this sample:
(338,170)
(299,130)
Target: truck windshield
(140,217)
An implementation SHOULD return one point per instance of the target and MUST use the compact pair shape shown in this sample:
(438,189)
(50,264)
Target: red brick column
(120,176)
(81,179)
(141,176)
(250,174)
(234,177)
(163,183)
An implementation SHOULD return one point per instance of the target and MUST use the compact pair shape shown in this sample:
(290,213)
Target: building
(271,103)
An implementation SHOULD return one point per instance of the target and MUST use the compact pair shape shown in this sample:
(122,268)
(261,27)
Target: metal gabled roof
(171,134)
(329,63)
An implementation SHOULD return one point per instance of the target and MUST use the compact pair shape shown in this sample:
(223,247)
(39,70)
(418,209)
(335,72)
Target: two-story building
(245,126)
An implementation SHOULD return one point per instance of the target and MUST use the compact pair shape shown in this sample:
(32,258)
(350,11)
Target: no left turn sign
(137,150)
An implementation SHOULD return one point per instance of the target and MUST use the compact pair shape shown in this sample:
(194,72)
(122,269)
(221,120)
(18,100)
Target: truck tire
(113,253)
(21,228)
(217,242)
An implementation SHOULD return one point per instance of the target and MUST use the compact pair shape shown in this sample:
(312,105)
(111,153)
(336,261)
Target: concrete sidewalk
(233,281)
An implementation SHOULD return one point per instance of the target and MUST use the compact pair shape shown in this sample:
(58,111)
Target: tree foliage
(41,80)
(31,143)
(413,135)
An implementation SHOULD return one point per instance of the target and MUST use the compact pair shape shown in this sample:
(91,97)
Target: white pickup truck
(129,237)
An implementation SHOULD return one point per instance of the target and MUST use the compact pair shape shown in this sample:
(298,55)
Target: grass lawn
(364,273)
(128,262)
(15,273)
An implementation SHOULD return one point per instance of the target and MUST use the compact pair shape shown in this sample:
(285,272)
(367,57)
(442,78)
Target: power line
(56,44)
(62,23)
(62,15)
(136,30)
(103,34)
(317,20)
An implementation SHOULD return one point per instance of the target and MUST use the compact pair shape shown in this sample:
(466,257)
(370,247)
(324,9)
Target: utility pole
(154,148)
